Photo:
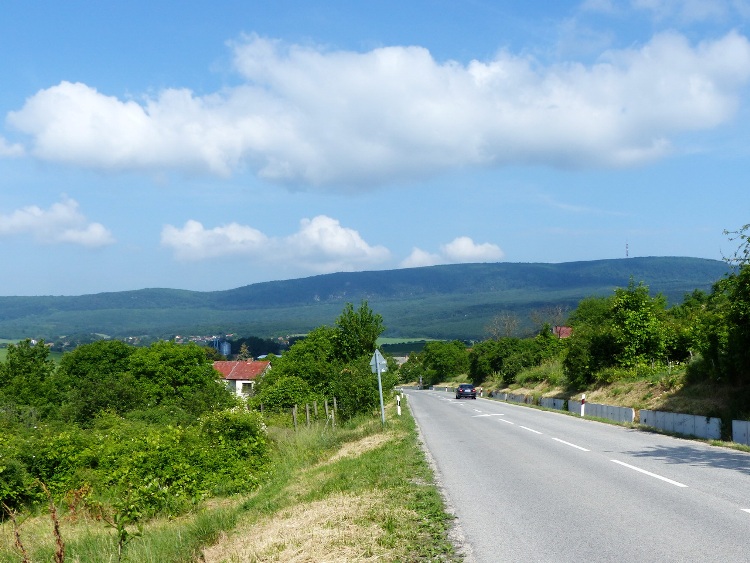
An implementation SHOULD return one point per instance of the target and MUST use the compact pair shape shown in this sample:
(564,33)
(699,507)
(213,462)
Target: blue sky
(222,143)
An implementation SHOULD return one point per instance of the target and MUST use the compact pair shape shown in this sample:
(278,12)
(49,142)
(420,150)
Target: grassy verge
(356,493)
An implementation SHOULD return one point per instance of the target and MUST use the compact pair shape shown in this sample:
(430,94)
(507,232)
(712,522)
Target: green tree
(312,359)
(357,332)
(445,360)
(412,371)
(284,393)
(95,377)
(244,354)
(627,329)
(25,374)
(180,375)
(741,256)
(488,358)
(638,329)
(356,388)
(334,361)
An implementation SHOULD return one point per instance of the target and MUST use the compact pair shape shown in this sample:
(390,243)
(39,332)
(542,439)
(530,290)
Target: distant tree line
(628,334)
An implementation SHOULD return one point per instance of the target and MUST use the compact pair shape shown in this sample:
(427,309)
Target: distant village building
(240,377)
(224,347)
(562,331)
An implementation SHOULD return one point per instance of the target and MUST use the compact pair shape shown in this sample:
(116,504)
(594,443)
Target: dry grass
(337,528)
(665,395)
(357,448)
(39,530)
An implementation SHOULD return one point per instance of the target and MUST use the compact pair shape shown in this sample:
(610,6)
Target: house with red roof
(562,331)
(241,376)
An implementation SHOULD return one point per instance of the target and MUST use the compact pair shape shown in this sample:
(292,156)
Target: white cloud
(61,223)
(321,245)
(10,150)
(195,242)
(460,250)
(419,258)
(307,116)
(463,249)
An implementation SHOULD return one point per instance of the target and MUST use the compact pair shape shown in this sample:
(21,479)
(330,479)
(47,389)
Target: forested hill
(453,301)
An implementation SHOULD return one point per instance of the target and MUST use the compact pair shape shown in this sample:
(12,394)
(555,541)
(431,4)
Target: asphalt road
(532,485)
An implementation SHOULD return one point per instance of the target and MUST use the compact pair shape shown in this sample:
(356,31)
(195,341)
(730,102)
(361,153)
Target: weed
(17,534)
(59,543)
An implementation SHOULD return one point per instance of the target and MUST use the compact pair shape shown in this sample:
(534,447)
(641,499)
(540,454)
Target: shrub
(284,393)
(550,371)
(16,486)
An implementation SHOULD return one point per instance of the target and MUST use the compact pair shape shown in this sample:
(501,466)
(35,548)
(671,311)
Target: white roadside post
(583,404)
(379,365)
(398,405)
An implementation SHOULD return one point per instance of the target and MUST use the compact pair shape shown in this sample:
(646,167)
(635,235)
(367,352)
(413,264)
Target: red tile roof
(562,331)
(241,371)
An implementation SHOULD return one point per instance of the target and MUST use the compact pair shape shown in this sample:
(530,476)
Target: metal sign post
(379,365)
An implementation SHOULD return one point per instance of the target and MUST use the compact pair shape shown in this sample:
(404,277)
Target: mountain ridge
(418,300)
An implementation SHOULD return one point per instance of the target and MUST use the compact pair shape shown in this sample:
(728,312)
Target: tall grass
(550,371)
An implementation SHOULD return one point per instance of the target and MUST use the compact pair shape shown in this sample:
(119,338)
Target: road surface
(533,485)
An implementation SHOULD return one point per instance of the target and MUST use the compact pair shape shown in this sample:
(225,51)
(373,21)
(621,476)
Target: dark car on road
(466,390)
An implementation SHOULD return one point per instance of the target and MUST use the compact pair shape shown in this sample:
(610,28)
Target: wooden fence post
(294,416)
(307,415)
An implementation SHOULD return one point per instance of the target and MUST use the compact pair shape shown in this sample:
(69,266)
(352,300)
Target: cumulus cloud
(419,258)
(195,242)
(460,250)
(320,245)
(310,117)
(463,249)
(61,223)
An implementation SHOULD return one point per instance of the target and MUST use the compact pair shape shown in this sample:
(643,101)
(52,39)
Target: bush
(16,486)
(284,393)
(550,371)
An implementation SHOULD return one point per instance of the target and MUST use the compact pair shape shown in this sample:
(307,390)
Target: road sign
(378,363)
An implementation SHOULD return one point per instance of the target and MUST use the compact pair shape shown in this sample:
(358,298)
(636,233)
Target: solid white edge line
(634,468)
(530,429)
(571,445)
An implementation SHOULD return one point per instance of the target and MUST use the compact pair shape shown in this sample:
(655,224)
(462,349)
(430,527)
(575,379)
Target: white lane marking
(477,410)
(675,483)
(506,421)
(530,429)
(745,510)
(481,415)
(571,445)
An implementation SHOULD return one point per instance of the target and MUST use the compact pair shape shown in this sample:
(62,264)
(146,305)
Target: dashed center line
(506,421)
(745,510)
(529,429)
(571,445)
(634,468)
(481,415)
